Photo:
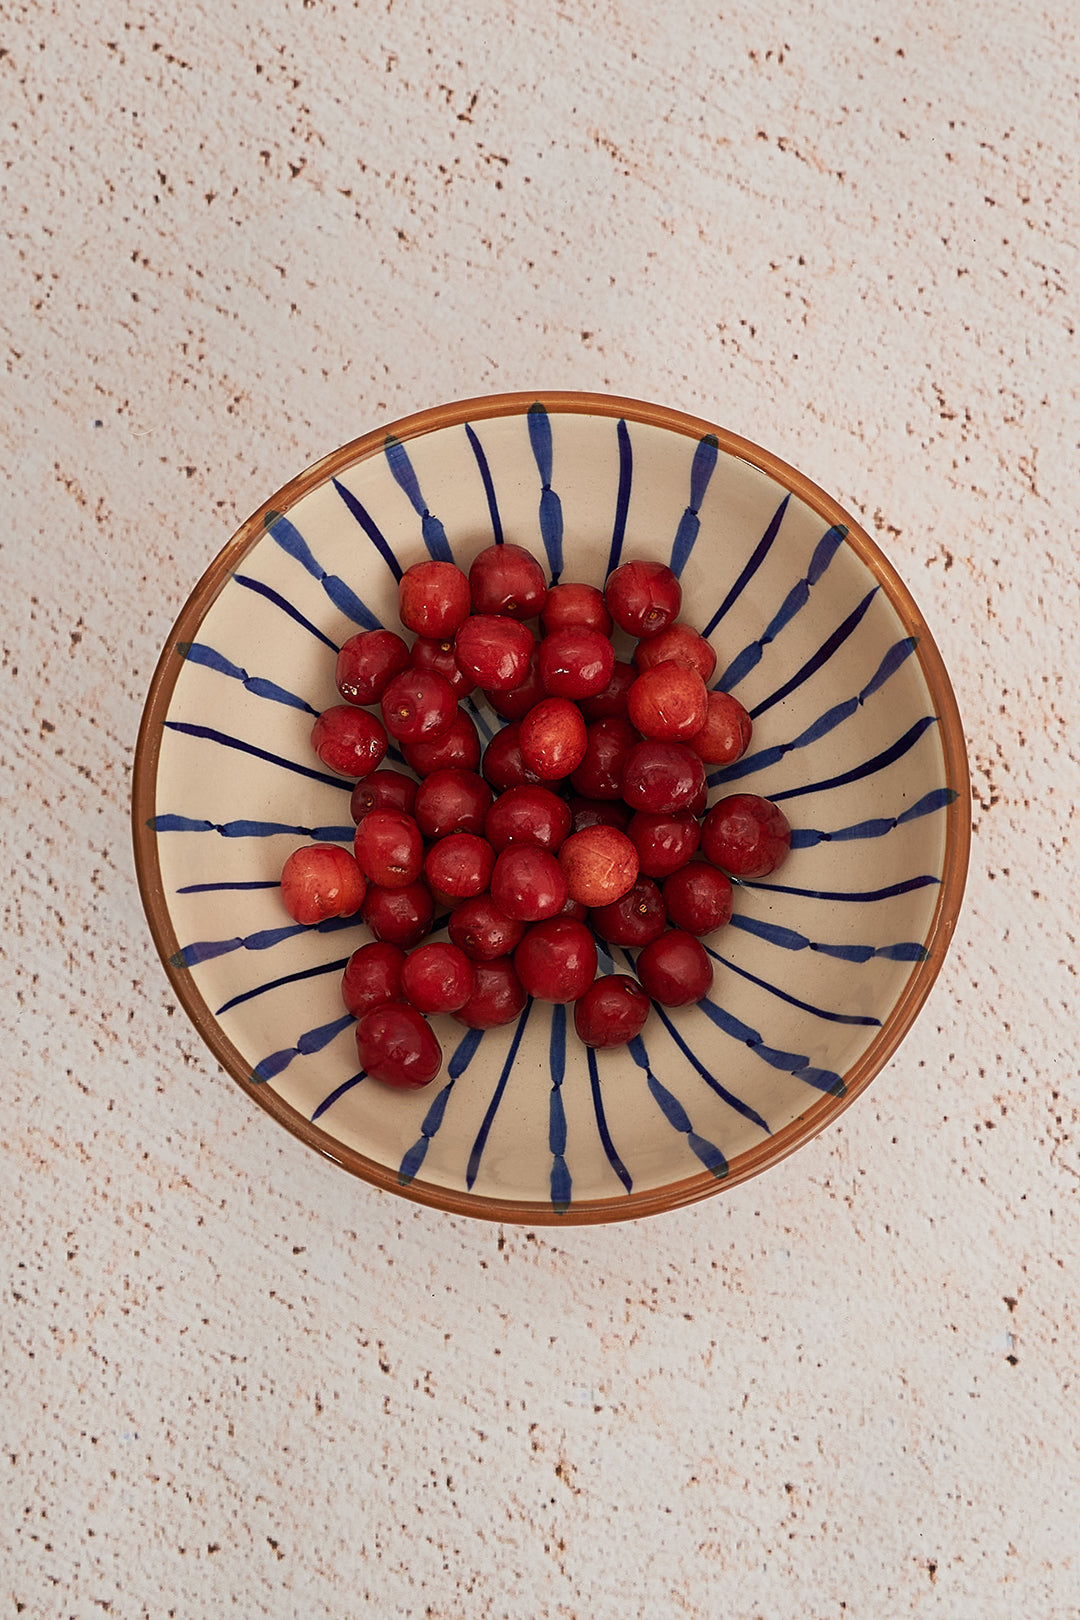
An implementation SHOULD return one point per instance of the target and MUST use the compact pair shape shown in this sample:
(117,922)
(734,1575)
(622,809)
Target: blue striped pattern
(697,1077)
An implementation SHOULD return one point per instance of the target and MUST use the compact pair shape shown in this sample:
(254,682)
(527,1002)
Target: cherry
(612,700)
(552,738)
(528,883)
(527,815)
(437,978)
(556,961)
(507,579)
(600,864)
(747,836)
(668,701)
(458,747)
(504,766)
(372,977)
(635,919)
(418,706)
(367,663)
(433,598)
(395,1044)
(725,735)
(603,764)
(643,597)
(320,881)
(576,662)
(383,790)
(664,842)
(698,898)
(681,643)
(459,865)
(494,652)
(452,800)
(599,813)
(389,848)
(399,916)
(675,968)
(349,740)
(516,703)
(482,931)
(438,654)
(571,603)
(662,776)
(612,1011)
(498,995)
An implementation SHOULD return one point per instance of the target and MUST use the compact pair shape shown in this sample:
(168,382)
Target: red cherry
(459,865)
(418,706)
(438,654)
(452,800)
(599,813)
(457,748)
(698,898)
(504,766)
(668,701)
(746,836)
(556,961)
(725,735)
(437,978)
(395,1044)
(675,969)
(600,864)
(433,598)
(528,883)
(576,662)
(372,977)
(383,790)
(552,738)
(348,740)
(320,881)
(482,931)
(516,703)
(507,579)
(399,916)
(527,814)
(607,748)
(389,848)
(681,643)
(664,842)
(494,652)
(612,1011)
(367,663)
(498,995)
(635,919)
(662,776)
(574,604)
(643,597)
(612,700)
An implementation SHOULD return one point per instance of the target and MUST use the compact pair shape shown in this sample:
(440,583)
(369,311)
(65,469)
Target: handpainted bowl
(823,966)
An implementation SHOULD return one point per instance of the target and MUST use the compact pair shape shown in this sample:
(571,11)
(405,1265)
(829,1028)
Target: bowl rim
(651,1201)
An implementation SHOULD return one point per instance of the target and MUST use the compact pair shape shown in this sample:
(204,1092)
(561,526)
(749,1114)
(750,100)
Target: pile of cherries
(585,816)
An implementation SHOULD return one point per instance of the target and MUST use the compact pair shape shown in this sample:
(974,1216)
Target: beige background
(233,1379)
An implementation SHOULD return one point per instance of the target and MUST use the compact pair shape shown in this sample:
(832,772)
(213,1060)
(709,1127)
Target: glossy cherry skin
(372,977)
(437,978)
(457,748)
(585,812)
(482,931)
(396,1044)
(746,836)
(613,699)
(662,776)
(552,739)
(643,597)
(433,598)
(452,800)
(367,663)
(574,604)
(680,643)
(607,748)
(389,848)
(675,969)
(418,706)
(383,790)
(664,842)
(556,961)
(349,740)
(498,995)
(459,865)
(528,883)
(635,919)
(600,864)
(517,702)
(612,1011)
(725,735)
(505,578)
(400,916)
(576,662)
(668,701)
(319,881)
(493,651)
(503,764)
(527,814)
(698,898)
(438,654)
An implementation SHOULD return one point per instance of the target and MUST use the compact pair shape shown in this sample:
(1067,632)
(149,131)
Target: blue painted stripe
(205,950)
(413,1159)
(793,603)
(622,498)
(789,939)
(473,1167)
(710,1080)
(551,516)
(602,1125)
(344,598)
(754,562)
(676,1115)
(936,799)
(337,966)
(337,1093)
(279,601)
(197,652)
(312,1041)
(222,738)
(397,458)
(211,888)
(869,767)
(168,822)
(561,1185)
(489,486)
(701,470)
(793,1001)
(360,512)
(862,896)
(790,1062)
(820,658)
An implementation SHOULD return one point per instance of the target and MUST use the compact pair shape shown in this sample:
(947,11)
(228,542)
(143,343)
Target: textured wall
(237,1381)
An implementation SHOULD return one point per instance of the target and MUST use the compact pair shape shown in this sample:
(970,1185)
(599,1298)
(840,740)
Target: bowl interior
(856,734)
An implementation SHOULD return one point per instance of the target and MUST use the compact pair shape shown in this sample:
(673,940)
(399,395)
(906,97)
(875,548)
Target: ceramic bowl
(856,735)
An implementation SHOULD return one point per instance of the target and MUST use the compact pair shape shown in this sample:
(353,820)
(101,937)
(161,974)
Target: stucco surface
(235,1380)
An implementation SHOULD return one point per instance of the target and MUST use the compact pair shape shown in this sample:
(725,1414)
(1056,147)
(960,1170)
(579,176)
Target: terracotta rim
(633,1205)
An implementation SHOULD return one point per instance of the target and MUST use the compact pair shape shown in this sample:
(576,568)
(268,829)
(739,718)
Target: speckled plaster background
(235,1381)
